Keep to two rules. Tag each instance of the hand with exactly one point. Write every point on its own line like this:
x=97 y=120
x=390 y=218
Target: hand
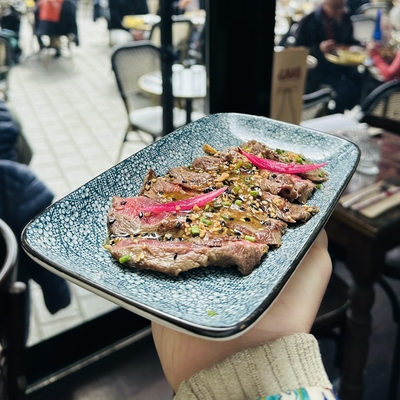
x=137 y=35
x=373 y=47
x=183 y=4
x=293 y=311
x=327 y=45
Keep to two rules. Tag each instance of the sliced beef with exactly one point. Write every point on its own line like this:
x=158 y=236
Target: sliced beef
x=289 y=186
x=270 y=234
x=175 y=257
x=150 y=176
x=260 y=150
x=160 y=188
x=125 y=218
x=189 y=179
x=234 y=229
x=208 y=163
x=278 y=207
x=316 y=175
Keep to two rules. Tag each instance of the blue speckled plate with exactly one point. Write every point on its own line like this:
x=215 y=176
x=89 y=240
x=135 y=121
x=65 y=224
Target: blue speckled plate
x=68 y=237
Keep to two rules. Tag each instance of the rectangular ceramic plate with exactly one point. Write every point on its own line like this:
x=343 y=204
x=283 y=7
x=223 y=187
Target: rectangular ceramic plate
x=68 y=237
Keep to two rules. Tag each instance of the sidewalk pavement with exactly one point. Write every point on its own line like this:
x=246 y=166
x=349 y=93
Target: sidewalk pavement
x=74 y=119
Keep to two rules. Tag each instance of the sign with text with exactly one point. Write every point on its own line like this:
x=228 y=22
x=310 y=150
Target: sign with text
x=288 y=81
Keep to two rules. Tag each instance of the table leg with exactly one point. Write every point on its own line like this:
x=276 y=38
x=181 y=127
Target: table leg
x=188 y=110
x=357 y=342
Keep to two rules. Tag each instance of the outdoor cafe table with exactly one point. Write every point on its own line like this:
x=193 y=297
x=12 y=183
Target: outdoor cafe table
x=187 y=84
x=366 y=242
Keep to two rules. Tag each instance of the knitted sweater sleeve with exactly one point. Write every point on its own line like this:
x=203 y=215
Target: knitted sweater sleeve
x=287 y=364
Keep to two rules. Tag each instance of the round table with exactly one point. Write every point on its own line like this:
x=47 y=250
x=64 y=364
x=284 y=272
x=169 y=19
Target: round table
x=187 y=84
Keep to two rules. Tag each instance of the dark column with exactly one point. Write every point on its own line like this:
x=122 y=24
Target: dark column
x=166 y=64
x=239 y=51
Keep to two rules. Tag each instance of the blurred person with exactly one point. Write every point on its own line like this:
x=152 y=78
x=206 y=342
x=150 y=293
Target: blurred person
x=119 y=8
x=55 y=18
x=322 y=31
x=17 y=181
x=276 y=359
x=388 y=70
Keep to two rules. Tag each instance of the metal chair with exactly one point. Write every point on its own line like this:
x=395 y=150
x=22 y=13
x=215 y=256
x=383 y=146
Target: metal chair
x=381 y=108
x=391 y=270
x=372 y=8
x=315 y=104
x=181 y=34
x=12 y=320
x=129 y=62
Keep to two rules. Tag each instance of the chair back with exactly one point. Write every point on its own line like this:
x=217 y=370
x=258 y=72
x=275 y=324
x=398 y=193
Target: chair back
x=315 y=104
x=383 y=102
x=372 y=8
x=8 y=256
x=363 y=27
x=12 y=319
x=181 y=34
x=129 y=62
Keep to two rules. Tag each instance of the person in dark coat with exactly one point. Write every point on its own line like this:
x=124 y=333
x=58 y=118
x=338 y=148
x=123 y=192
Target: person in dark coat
x=9 y=133
x=22 y=197
x=322 y=31
x=119 y=8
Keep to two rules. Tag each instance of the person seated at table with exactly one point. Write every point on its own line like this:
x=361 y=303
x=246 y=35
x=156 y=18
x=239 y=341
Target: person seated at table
x=322 y=31
x=276 y=359
x=119 y=8
x=55 y=18
x=388 y=70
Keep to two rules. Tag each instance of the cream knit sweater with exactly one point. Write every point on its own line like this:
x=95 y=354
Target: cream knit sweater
x=285 y=364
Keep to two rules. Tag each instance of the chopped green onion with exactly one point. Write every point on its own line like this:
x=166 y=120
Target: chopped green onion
x=205 y=221
x=250 y=238
x=238 y=202
x=195 y=230
x=318 y=186
x=254 y=193
x=236 y=189
x=225 y=217
x=226 y=203
x=211 y=313
x=124 y=258
x=238 y=164
x=299 y=160
x=248 y=165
